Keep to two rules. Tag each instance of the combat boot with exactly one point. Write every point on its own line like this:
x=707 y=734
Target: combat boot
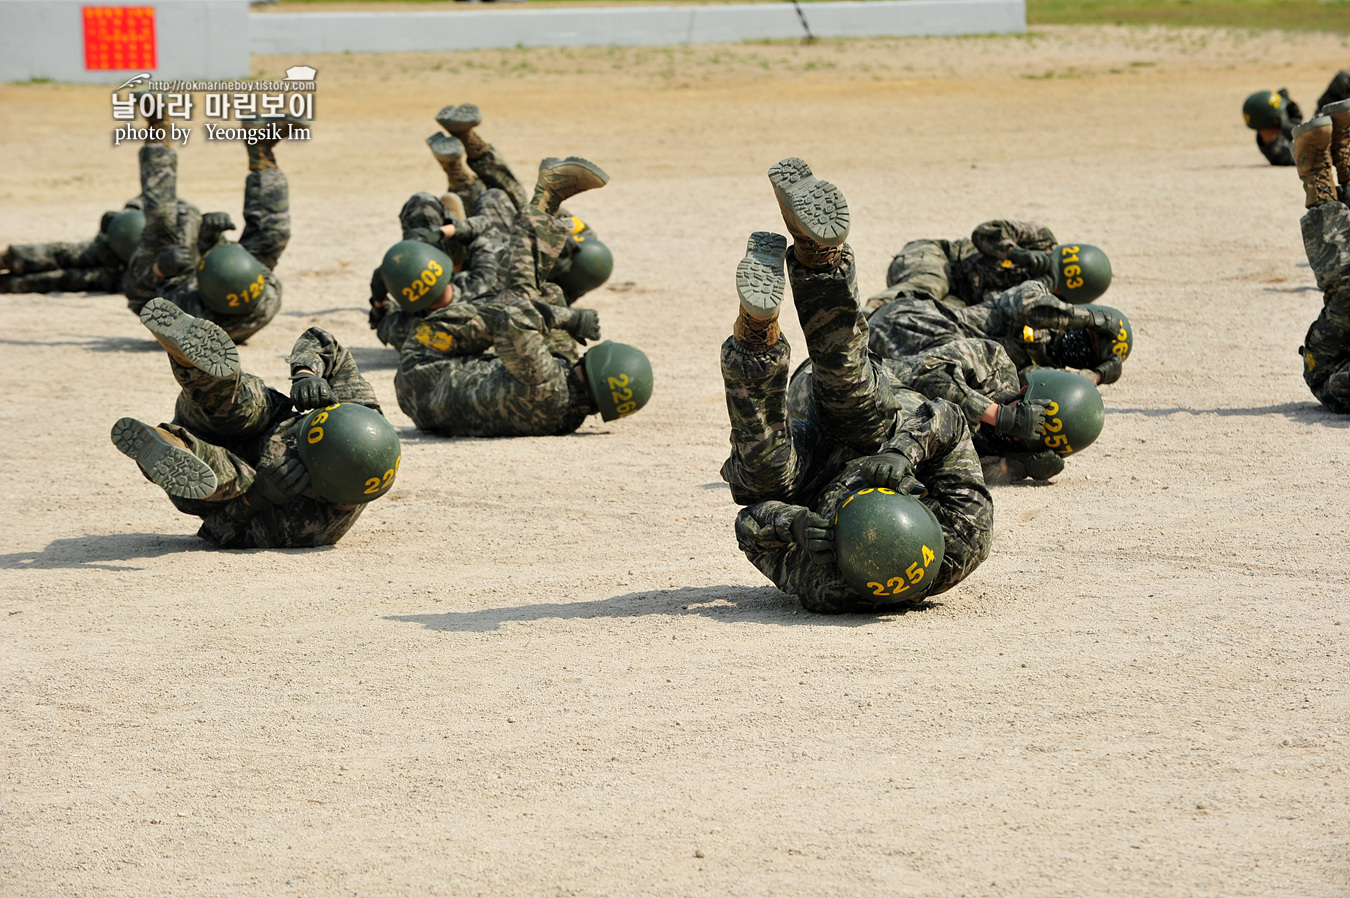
x=266 y=135
x=562 y=179
x=461 y=121
x=1312 y=155
x=153 y=120
x=814 y=211
x=1339 y=113
x=759 y=285
x=194 y=342
x=449 y=153
x=164 y=459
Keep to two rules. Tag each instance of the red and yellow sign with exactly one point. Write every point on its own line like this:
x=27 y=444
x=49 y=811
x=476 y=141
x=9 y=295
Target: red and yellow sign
x=119 y=37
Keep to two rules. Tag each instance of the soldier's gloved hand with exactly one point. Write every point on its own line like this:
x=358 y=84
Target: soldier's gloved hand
x=1102 y=320
x=460 y=229
x=887 y=469
x=1036 y=465
x=814 y=535
x=1036 y=262
x=309 y=390
x=278 y=482
x=174 y=261
x=218 y=222
x=584 y=325
x=1109 y=370
x=106 y=220
x=1022 y=420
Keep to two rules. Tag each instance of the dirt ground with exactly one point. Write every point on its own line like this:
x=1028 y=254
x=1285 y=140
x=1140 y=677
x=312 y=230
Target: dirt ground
x=541 y=667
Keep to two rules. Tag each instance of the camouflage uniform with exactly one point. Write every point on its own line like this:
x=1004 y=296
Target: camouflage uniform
x=965 y=271
x=267 y=230
x=1023 y=320
x=781 y=462
x=89 y=266
x=493 y=174
x=236 y=424
x=449 y=384
x=970 y=374
x=479 y=262
x=1280 y=151
x=1326 y=347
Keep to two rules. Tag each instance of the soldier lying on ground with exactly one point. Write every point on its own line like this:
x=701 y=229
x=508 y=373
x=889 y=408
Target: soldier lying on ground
x=1033 y=326
x=245 y=458
x=88 y=266
x=1321 y=148
x=231 y=284
x=1017 y=437
x=862 y=437
x=473 y=166
x=491 y=369
x=1273 y=116
x=998 y=255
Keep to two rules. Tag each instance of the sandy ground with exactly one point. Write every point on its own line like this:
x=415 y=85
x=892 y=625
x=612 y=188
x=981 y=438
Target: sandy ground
x=541 y=667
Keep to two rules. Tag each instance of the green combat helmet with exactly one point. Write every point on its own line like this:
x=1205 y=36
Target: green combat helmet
x=230 y=280
x=1123 y=340
x=416 y=274
x=1262 y=110
x=1082 y=272
x=620 y=378
x=888 y=545
x=124 y=232
x=585 y=263
x=351 y=453
x=1075 y=416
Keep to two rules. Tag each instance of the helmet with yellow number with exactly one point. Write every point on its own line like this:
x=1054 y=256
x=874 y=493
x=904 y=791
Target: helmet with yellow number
x=1075 y=415
x=416 y=274
x=888 y=545
x=1082 y=272
x=620 y=378
x=230 y=280
x=352 y=452
x=1262 y=110
x=585 y=263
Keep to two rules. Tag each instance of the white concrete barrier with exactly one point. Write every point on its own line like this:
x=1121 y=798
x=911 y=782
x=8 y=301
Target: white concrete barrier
x=473 y=29
x=61 y=39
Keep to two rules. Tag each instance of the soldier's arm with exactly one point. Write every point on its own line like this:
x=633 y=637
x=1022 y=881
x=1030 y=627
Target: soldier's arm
x=520 y=337
x=1031 y=304
x=996 y=238
x=480 y=278
x=1279 y=151
x=973 y=375
x=764 y=534
x=319 y=351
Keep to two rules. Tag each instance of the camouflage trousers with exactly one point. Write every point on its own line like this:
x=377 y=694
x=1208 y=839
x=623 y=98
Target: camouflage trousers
x=224 y=421
x=1326 y=347
x=922 y=269
x=168 y=222
x=1337 y=90
x=908 y=325
x=89 y=266
x=494 y=173
x=851 y=400
x=267 y=215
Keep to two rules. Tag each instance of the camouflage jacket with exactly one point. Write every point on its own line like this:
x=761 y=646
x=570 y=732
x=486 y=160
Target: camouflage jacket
x=980 y=275
x=935 y=438
x=308 y=519
x=449 y=384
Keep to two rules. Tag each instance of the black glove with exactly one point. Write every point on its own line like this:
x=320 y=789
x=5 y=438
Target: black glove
x=309 y=390
x=1022 y=420
x=219 y=222
x=888 y=469
x=1036 y=465
x=584 y=325
x=1036 y=262
x=174 y=261
x=278 y=482
x=814 y=535
x=1101 y=320
x=106 y=220
x=1109 y=370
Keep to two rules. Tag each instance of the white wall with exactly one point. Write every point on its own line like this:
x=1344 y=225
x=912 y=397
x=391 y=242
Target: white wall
x=195 y=39
x=477 y=28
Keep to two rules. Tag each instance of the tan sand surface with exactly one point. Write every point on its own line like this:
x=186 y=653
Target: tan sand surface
x=541 y=667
